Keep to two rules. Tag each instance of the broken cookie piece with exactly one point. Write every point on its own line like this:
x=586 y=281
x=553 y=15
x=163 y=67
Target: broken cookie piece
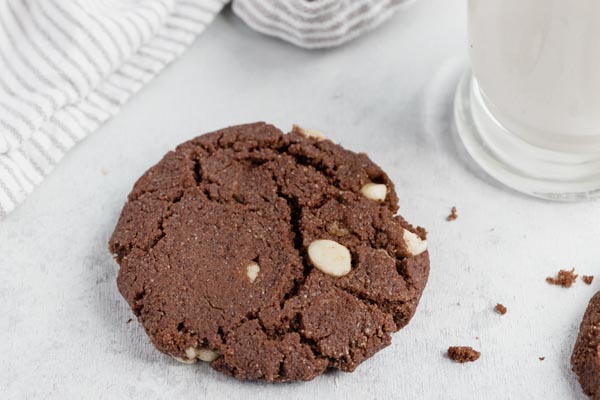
x=463 y=354
x=585 y=359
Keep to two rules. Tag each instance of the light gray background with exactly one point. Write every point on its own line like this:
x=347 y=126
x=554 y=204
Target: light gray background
x=63 y=326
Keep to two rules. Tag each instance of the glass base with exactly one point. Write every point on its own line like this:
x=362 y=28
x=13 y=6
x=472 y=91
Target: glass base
x=536 y=171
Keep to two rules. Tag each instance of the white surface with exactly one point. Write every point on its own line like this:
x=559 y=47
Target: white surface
x=63 y=326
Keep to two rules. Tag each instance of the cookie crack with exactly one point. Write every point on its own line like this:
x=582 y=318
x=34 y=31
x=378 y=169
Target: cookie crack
x=161 y=225
x=122 y=250
x=211 y=305
x=138 y=302
x=362 y=298
x=197 y=171
x=397 y=257
x=295 y=216
x=282 y=146
x=313 y=345
x=281 y=369
x=318 y=167
x=380 y=305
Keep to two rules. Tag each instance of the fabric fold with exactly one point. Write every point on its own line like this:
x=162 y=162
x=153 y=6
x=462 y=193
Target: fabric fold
x=69 y=66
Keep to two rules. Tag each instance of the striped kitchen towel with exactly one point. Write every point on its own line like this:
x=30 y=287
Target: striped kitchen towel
x=67 y=66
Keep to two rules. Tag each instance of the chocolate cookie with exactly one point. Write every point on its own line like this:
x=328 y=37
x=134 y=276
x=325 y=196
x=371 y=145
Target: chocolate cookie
x=586 y=354
x=273 y=256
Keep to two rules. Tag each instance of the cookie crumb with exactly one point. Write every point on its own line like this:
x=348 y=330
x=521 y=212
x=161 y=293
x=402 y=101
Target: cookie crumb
x=541 y=358
x=462 y=354
x=500 y=309
x=453 y=215
x=129 y=320
x=103 y=171
x=587 y=279
x=564 y=278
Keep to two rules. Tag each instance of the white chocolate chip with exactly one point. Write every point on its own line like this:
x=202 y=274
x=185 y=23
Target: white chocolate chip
x=309 y=133
x=252 y=271
x=414 y=244
x=207 y=355
x=193 y=355
x=374 y=191
x=330 y=257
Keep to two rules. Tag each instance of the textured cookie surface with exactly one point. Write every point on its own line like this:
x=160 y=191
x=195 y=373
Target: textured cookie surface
x=586 y=354
x=272 y=256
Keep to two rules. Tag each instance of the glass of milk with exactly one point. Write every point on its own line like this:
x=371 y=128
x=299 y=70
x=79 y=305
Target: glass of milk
x=529 y=112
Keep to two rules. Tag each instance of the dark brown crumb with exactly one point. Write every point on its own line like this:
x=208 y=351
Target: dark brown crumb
x=541 y=358
x=564 y=278
x=453 y=215
x=462 y=354
x=129 y=320
x=500 y=309
x=588 y=279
